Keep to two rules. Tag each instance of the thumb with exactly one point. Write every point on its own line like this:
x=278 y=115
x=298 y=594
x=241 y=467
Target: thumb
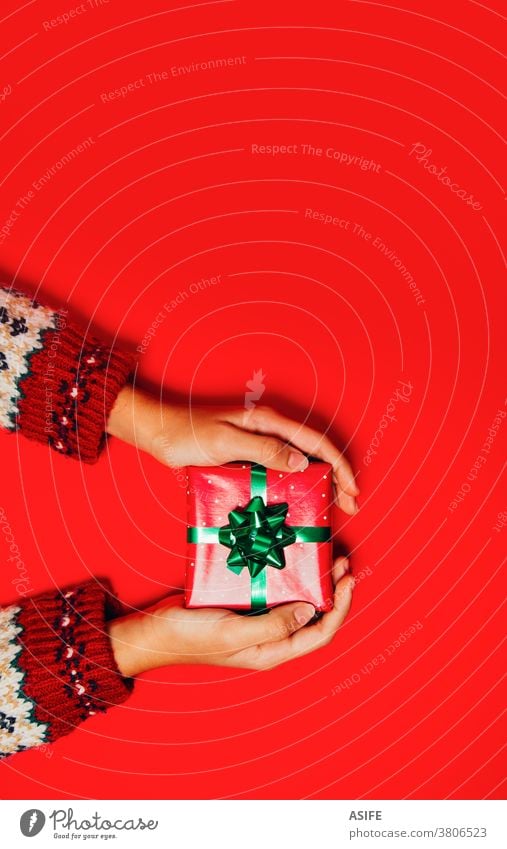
x=268 y=451
x=278 y=624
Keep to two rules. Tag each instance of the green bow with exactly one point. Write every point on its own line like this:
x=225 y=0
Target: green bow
x=256 y=536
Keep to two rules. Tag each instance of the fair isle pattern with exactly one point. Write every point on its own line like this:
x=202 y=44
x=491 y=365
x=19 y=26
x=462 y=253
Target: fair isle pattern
x=22 y=327
x=18 y=727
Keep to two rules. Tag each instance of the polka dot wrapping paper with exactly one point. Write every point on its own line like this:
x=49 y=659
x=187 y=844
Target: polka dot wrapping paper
x=305 y=571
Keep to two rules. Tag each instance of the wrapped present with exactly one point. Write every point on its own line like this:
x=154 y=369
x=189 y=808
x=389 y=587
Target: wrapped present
x=258 y=538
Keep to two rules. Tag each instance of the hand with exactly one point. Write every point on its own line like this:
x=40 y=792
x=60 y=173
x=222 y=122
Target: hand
x=168 y=633
x=209 y=436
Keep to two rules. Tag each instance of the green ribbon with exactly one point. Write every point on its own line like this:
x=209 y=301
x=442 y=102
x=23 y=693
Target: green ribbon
x=257 y=535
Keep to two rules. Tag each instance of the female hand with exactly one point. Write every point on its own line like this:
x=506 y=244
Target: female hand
x=209 y=436
x=168 y=633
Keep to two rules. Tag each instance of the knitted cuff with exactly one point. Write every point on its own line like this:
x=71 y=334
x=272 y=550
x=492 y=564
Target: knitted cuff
x=69 y=391
x=67 y=661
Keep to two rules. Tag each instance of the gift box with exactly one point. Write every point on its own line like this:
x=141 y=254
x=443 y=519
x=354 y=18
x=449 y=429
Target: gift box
x=258 y=538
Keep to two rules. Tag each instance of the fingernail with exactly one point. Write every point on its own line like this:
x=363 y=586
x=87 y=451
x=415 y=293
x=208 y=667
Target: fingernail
x=297 y=461
x=346 y=565
x=303 y=615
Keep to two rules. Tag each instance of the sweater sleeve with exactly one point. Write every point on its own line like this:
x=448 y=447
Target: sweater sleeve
x=57 y=666
x=57 y=385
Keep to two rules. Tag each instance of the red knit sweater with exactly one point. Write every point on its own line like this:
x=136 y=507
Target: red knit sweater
x=57 y=386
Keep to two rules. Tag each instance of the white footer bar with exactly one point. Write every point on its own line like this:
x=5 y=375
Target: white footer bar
x=254 y=824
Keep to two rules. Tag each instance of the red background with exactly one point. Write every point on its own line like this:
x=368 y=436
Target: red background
x=170 y=192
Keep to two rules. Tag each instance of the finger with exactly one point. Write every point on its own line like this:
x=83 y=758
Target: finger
x=273 y=627
x=328 y=625
x=306 y=640
x=322 y=632
x=340 y=568
x=307 y=439
x=266 y=450
x=347 y=503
